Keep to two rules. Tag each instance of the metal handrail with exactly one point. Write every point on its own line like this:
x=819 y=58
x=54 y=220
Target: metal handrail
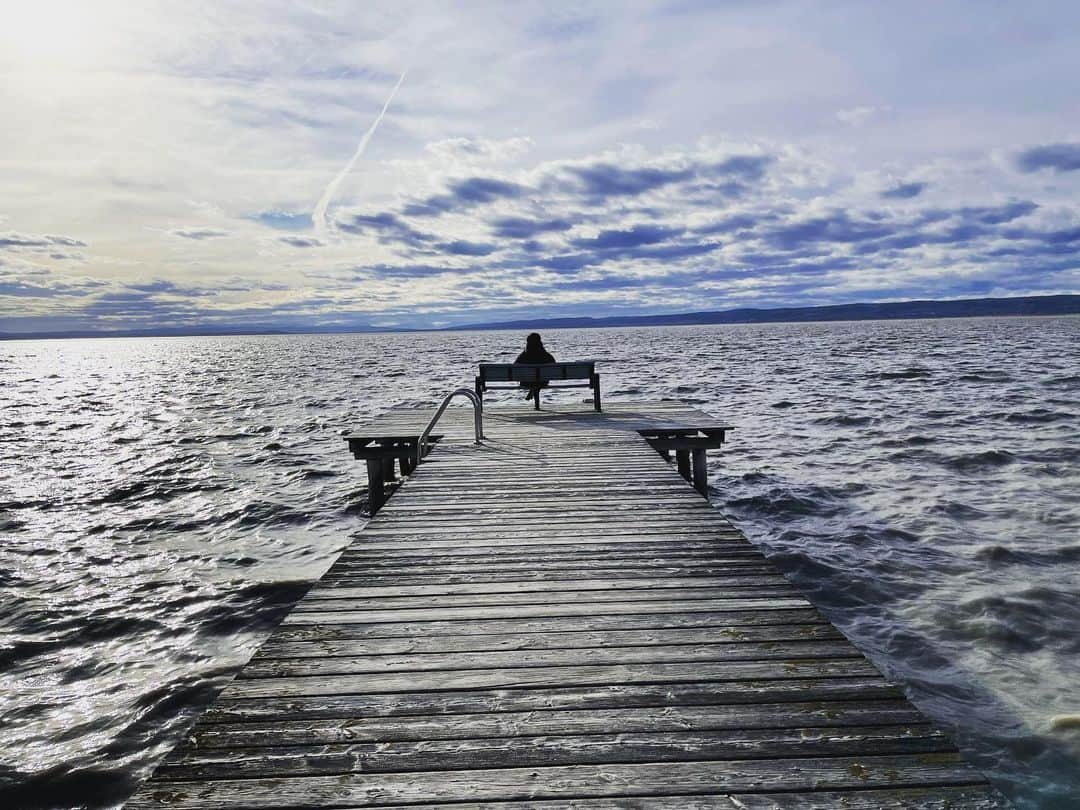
x=478 y=420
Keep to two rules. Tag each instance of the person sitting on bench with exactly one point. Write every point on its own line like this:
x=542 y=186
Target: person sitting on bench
x=534 y=353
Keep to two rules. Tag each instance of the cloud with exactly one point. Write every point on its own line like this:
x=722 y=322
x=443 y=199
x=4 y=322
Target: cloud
x=12 y=240
x=388 y=227
x=1058 y=157
x=479 y=149
x=480 y=190
x=904 y=191
x=283 y=220
x=463 y=247
x=602 y=180
x=738 y=222
x=301 y=241
x=857 y=116
x=430 y=207
x=525 y=228
x=198 y=234
x=838 y=226
x=25 y=280
x=463 y=194
x=635 y=236
x=998 y=214
x=147 y=289
x=634 y=226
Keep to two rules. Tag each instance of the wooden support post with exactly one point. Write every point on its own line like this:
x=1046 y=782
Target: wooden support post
x=701 y=473
x=536 y=399
x=376 y=485
x=594 y=381
x=388 y=469
x=682 y=458
x=406 y=464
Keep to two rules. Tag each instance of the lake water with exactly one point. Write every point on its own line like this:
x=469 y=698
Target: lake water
x=163 y=502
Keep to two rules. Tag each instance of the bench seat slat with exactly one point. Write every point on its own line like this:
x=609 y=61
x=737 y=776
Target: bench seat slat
x=540 y=375
x=536 y=372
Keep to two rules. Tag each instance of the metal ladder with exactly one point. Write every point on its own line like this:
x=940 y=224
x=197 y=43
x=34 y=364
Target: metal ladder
x=478 y=420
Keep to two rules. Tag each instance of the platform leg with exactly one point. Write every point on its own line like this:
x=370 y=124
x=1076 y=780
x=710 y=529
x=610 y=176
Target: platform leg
x=701 y=473
x=595 y=381
x=376 y=485
x=388 y=470
x=682 y=458
x=536 y=399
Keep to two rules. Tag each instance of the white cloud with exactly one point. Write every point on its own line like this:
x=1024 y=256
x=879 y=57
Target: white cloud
x=198 y=233
x=479 y=150
x=169 y=122
x=857 y=116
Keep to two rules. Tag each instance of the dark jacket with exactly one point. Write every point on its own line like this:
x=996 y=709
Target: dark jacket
x=534 y=353
x=529 y=356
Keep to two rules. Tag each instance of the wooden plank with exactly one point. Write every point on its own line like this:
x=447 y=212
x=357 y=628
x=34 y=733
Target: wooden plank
x=613 y=569
x=572 y=722
x=555 y=569
x=941 y=797
x=454 y=542
x=438 y=626
x=519 y=677
x=606 y=608
x=481 y=575
x=478 y=552
x=440 y=564
x=586 y=553
x=336 y=591
x=738 y=587
x=444 y=557
x=624 y=747
x=683 y=443
x=647 y=546
x=555 y=640
x=267 y=667
x=564 y=782
x=661 y=696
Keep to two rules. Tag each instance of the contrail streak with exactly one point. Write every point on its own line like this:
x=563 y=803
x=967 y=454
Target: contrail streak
x=318 y=216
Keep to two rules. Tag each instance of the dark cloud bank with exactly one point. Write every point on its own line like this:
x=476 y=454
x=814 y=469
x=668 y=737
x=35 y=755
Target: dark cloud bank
x=685 y=231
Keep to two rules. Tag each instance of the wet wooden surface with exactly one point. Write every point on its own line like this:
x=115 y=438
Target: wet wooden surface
x=556 y=619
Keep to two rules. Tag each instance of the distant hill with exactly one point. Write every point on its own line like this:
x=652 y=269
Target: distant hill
x=966 y=308
x=192 y=331
x=132 y=333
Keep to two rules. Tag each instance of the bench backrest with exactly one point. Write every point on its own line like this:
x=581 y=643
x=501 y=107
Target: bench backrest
x=537 y=372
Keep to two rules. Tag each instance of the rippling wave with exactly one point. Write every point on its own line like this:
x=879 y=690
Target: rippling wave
x=163 y=503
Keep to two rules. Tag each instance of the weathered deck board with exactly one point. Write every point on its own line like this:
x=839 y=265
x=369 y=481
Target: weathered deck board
x=565 y=782
x=515 y=724
x=557 y=619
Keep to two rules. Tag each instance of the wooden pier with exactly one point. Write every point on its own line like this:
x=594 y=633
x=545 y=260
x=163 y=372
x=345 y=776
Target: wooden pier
x=556 y=619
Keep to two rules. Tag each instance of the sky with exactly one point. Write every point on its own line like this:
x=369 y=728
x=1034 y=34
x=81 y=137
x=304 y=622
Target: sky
x=212 y=165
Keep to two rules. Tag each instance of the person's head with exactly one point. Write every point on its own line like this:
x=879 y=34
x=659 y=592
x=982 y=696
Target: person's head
x=533 y=342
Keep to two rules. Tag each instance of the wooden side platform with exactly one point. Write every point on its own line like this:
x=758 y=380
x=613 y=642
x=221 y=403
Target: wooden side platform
x=556 y=619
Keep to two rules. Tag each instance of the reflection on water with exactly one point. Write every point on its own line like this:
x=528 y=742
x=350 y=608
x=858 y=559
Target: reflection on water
x=162 y=502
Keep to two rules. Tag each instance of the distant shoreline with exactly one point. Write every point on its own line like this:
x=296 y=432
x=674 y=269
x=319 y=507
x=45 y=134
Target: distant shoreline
x=1027 y=306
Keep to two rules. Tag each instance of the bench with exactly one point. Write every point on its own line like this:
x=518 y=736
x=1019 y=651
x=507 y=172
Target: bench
x=538 y=375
